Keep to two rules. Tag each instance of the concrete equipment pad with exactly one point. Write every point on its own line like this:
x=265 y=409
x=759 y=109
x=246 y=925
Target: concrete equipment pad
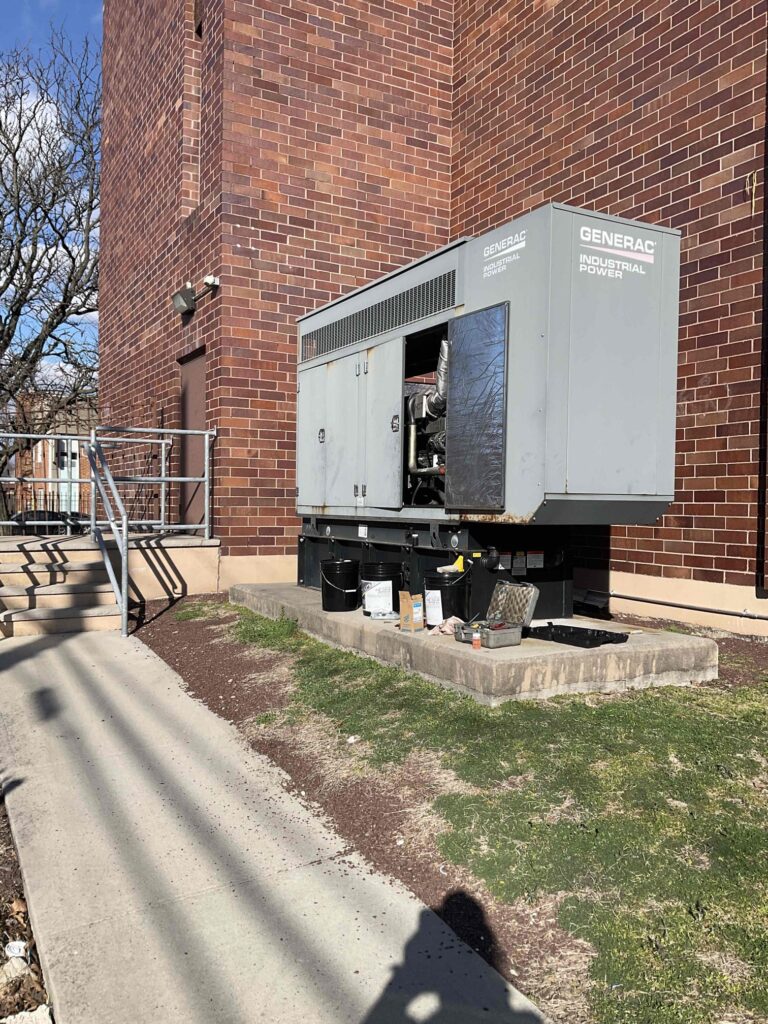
x=171 y=877
x=535 y=669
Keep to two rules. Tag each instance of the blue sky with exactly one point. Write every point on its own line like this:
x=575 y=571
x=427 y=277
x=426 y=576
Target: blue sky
x=27 y=21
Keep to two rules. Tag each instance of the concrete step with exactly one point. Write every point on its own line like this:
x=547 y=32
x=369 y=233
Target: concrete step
x=56 y=595
x=46 y=573
x=42 y=621
x=54 y=549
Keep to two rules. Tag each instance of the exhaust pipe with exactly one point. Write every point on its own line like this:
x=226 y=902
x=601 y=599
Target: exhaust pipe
x=433 y=406
x=437 y=399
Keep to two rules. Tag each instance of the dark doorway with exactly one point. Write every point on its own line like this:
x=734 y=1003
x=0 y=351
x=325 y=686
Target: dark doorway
x=192 y=461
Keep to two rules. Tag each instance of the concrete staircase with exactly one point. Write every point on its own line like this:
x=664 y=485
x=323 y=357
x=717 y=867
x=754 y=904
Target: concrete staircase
x=53 y=586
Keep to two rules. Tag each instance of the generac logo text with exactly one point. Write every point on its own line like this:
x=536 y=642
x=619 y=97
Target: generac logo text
x=617 y=240
x=505 y=245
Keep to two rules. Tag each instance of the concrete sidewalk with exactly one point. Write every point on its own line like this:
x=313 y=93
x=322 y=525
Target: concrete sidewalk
x=171 y=878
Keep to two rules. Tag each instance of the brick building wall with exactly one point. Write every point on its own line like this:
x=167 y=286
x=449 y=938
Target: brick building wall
x=657 y=112
x=319 y=151
x=160 y=204
x=301 y=149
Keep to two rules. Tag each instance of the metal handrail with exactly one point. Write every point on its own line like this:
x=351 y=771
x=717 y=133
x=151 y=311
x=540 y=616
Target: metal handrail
x=162 y=437
x=99 y=466
x=155 y=430
x=104 y=484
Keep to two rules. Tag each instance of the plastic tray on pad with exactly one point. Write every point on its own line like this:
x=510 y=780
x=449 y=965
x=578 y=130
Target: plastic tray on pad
x=576 y=636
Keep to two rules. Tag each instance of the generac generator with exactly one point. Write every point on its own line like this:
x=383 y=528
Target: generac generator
x=487 y=397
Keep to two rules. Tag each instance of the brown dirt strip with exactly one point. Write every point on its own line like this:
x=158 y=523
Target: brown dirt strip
x=27 y=992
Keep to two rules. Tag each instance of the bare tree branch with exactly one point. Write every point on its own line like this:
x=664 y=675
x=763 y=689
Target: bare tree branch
x=50 y=140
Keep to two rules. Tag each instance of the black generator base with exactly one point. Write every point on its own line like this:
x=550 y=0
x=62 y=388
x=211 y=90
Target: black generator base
x=538 y=555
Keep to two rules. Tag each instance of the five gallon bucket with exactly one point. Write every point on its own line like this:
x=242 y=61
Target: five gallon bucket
x=340 y=586
x=380 y=584
x=446 y=594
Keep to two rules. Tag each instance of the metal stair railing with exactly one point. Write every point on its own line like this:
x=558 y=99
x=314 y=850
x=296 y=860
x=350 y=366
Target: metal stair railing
x=105 y=485
x=101 y=476
x=161 y=437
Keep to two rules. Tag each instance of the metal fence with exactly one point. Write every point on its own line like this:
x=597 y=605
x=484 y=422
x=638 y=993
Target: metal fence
x=129 y=487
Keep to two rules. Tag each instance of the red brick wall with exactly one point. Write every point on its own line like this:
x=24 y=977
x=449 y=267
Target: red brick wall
x=338 y=140
x=160 y=215
x=325 y=162
x=654 y=111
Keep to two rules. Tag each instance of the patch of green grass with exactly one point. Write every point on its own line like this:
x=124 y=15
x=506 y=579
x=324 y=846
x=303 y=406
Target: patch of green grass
x=194 y=610
x=648 y=812
x=273 y=634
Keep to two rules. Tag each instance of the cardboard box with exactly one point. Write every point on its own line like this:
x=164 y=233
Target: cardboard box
x=411 y=612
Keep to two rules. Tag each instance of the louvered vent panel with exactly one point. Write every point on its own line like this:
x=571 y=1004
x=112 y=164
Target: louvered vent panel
x=421 y=301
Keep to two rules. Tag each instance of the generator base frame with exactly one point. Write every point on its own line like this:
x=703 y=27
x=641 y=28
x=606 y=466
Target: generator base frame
x=539 y=555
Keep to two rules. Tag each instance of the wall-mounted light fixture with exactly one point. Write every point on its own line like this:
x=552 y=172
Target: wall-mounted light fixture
x=185 y=299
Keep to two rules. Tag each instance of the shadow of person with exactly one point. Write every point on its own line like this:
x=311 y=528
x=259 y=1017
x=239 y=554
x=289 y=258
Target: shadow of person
x=441 y=980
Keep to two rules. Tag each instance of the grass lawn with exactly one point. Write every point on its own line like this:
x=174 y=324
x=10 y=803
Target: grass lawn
x=644 y=813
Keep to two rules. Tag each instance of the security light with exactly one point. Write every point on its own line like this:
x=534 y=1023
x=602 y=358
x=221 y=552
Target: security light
x=185 y=300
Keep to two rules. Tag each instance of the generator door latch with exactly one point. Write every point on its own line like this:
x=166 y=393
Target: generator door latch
x=356 y=489
x=395 y=423
x=321 y=435
x=363 y=490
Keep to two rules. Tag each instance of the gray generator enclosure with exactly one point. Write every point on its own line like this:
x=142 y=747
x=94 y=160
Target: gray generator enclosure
x=527 y=376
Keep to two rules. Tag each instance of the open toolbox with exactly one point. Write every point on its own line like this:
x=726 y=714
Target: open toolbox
x=510 y=611
x=492 y=634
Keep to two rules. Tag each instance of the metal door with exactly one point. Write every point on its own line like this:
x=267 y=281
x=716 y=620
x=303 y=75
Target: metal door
x=192 y=457
x=67 y=461
x=311 y=437
x=382 y=416
x=343 y=436
x=476 y=420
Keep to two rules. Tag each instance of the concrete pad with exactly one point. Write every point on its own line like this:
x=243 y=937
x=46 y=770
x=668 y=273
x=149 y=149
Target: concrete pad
x=171 y=876
x=535 y=669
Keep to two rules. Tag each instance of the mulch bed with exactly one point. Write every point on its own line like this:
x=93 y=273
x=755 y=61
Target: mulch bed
x=528 y=947
x=27 y=992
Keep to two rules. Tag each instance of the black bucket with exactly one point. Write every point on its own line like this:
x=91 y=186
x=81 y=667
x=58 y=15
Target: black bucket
x=374 y=577
x=340 y=586
x=446 y=594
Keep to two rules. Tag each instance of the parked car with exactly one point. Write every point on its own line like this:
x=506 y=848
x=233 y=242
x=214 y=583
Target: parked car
x=46 y=523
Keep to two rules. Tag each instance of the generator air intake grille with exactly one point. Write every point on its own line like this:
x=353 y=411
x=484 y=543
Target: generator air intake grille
x=421 y=301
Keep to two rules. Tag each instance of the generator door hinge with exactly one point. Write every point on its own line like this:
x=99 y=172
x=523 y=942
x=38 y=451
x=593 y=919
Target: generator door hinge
x=357 y=369
x=356 y=490
x=363 y=490
x=365 y=366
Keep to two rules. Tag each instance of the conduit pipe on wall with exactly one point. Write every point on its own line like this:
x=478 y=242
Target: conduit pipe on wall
x=686 y=607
